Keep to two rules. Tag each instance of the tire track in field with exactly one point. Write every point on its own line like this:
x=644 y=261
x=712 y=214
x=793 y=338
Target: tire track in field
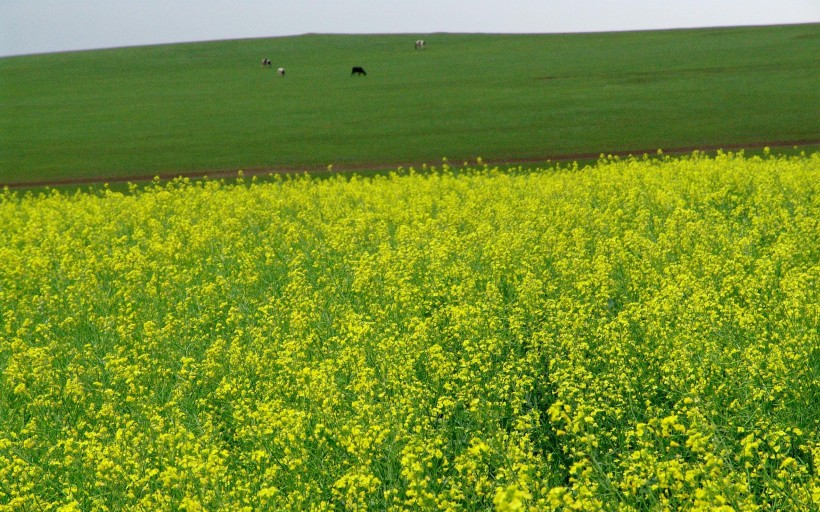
x=338 y=168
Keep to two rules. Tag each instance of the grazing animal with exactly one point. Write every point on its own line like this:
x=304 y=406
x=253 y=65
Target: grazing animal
x=280 y=71
x=358 y=70
x=420 y=44
x=266 y=63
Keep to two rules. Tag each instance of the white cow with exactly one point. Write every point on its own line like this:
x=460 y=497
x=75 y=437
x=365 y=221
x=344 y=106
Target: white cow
x=280 y=71
x=420 y=44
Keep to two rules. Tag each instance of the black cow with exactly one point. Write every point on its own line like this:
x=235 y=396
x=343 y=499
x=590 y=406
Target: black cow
x=266 y=63
x=358 y=70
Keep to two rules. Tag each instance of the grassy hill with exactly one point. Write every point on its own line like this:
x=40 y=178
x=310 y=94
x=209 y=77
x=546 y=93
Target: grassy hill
x=211 y=106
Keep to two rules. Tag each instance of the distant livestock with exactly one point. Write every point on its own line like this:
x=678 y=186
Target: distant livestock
x=280 y=71
x=420 y=44
x=358 y=70
x=266 y=63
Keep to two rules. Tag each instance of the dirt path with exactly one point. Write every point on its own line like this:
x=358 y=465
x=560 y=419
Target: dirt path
x=232 y=173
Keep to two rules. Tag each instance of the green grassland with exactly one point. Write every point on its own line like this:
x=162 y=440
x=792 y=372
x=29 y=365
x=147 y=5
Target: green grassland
x=211 y=106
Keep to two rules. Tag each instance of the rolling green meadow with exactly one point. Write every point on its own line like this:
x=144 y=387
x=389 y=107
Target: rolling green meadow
x=637 y=333
x=211 y=106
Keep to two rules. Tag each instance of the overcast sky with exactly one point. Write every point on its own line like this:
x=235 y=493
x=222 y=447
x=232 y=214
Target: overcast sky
x=39 y=26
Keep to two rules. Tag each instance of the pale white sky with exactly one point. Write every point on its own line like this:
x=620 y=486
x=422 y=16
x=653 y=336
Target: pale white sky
x=39 y=26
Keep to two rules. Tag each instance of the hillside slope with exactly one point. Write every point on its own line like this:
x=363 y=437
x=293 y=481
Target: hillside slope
x=211 y=106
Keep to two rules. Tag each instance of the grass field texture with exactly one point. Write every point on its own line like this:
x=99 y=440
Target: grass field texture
x=211 y=106
x=636 y=335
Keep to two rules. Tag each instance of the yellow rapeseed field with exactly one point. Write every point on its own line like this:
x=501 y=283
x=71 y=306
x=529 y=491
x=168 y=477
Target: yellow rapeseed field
x=641 y=334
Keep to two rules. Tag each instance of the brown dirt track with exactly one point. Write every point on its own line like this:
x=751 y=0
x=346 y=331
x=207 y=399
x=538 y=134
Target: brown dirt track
x=217 y=174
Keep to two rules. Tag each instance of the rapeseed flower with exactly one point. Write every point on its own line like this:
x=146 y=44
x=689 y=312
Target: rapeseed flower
x=639 y=334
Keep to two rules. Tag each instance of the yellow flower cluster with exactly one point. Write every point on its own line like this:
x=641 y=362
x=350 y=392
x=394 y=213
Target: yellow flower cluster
x=640 y=334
